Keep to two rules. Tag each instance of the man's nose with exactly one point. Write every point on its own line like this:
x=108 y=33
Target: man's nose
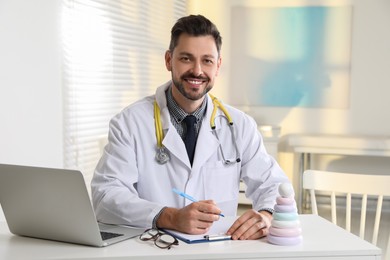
x=197 y=69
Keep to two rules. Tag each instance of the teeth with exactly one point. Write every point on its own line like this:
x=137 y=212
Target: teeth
x=195 y=82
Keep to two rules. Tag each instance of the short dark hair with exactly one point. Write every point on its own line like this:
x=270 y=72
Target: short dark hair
x=194 y=25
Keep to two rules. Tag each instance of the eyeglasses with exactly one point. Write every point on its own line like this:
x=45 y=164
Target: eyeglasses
x=161 y=239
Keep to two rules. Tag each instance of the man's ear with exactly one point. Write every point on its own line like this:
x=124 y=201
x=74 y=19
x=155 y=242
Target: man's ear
x=168 y=60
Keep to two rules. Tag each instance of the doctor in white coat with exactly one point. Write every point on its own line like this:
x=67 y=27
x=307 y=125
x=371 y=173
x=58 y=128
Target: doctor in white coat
x=130 y=186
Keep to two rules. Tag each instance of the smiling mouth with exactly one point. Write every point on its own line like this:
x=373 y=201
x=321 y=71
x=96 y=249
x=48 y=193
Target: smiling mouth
x=195 y=82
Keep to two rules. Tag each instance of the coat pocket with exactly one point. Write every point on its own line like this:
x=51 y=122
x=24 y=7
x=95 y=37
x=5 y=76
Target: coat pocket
x=221 y=181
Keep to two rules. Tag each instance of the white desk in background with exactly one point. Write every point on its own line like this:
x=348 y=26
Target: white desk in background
x=321 y=240
x=307 y=144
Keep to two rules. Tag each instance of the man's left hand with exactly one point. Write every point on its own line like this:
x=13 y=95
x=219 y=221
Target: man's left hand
x=251 y=225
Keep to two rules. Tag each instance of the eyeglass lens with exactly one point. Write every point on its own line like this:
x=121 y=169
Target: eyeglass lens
x=161 y=240
x=149 y=234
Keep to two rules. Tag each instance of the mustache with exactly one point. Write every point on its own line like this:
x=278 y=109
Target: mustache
x=191 y=75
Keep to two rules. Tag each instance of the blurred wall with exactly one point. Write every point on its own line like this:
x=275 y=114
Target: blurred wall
x=368 y=110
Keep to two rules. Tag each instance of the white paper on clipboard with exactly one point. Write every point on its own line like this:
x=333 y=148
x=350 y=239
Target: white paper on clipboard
x=219 y=228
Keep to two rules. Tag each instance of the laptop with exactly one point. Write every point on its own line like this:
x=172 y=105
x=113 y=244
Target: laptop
x=54 y=204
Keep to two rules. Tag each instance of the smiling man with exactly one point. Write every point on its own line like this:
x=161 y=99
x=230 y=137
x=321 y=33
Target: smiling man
x=182 y=138
x=194 y=60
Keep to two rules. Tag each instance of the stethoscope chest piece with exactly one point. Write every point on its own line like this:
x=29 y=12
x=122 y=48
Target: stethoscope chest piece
x=162 y=156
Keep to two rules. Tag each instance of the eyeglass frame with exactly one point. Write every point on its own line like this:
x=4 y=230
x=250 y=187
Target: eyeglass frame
x=158 y=235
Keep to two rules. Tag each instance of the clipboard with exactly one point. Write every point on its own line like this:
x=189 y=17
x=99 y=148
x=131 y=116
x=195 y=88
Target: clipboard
x=217 y=232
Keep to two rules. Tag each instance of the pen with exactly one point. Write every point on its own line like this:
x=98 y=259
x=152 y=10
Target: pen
x=217 y=237
x=189 y=197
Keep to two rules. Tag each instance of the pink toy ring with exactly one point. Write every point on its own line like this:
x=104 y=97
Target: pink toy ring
x=284 y=241
x=285 y=201
x=285 y=232
x=285 y=208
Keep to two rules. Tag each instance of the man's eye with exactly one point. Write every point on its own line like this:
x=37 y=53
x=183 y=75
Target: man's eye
x=184 y=59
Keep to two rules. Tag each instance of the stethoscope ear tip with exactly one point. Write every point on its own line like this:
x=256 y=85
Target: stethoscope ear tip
x=238 y=160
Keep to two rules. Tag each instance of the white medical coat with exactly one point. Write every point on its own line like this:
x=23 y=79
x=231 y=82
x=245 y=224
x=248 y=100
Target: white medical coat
x=130 y=187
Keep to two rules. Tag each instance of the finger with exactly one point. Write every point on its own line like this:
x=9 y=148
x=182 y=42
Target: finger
x=209 y=202
x=239 y=222
x=251 y=225
x=247 y=229
x=208 y=217
x=204 y=212
x=197 y=227
x=210 y=209
x=197 y=231
x=204 y=224
x=256 y=231
x=260 y=228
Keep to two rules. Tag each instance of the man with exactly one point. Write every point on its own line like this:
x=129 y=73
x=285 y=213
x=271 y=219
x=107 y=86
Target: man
x=131 y=187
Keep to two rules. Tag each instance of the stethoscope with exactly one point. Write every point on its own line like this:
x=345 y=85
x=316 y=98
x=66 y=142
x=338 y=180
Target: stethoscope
x=162 y=156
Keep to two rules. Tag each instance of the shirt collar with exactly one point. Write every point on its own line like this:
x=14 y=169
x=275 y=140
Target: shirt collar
x=178 y=113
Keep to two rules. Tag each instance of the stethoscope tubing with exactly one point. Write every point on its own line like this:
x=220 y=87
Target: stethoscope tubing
x=163 y=157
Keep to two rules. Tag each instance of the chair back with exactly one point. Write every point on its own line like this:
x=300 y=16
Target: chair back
x=346 y=185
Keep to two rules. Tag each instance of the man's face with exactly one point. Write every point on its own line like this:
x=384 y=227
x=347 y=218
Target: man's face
x=194 y=64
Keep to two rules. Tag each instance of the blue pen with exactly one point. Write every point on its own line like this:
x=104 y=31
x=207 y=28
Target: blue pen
x=189 y=197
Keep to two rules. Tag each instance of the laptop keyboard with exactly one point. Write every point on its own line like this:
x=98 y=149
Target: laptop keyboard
x=109 y=235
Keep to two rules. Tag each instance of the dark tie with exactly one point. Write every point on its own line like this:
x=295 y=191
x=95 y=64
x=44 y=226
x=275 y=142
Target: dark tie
x=190 y=138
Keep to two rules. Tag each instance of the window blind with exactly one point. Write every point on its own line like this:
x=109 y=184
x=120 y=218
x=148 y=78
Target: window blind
x=113 y=54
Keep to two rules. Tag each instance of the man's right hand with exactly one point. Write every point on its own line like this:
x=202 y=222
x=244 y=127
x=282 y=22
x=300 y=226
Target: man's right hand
x=195 y=219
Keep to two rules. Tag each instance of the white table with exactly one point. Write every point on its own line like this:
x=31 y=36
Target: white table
x=305 y=145
x=321 y=240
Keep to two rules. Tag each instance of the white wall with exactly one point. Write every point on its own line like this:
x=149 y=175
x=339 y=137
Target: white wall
x=30 y=82
x=369 y=110
x=370 y=67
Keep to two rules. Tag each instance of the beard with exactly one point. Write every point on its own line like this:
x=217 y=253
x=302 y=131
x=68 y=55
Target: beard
x=191 y=95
